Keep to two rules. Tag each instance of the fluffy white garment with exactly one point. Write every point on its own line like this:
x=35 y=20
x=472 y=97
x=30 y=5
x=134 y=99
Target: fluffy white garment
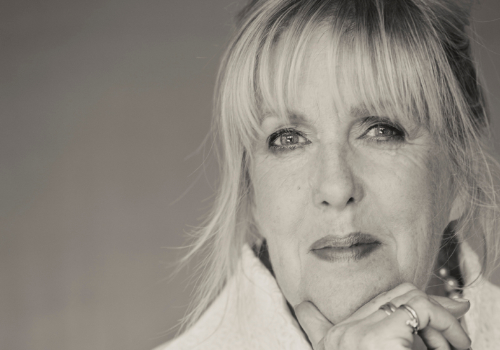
x=252 y=313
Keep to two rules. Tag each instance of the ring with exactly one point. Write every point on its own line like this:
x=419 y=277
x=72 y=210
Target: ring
x=413 y=322
x=389 y=308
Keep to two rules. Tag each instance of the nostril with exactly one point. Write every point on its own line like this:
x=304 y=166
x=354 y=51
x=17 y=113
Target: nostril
x=325 y=203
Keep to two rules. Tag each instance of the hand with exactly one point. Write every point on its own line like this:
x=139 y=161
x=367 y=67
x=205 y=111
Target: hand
x=371 y=328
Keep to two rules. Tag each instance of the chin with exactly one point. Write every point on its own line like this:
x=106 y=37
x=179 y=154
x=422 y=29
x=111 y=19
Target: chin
x=340 y=312
x=338 y=299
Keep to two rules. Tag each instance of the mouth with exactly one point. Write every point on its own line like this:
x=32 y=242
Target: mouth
x=355 y=246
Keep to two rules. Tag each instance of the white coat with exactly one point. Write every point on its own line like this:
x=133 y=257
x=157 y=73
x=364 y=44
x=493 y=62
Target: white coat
x=252 y=313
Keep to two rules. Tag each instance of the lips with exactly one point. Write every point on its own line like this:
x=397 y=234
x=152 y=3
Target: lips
x=352 y=247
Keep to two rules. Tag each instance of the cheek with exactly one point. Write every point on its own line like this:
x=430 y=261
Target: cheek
x=281 y=199
x=412 y=205
x=279 y=196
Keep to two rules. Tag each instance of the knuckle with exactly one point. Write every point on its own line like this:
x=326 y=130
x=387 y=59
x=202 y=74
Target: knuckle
x=406 y=297
x=342 y=337
x=419 y=300
x=331 y=339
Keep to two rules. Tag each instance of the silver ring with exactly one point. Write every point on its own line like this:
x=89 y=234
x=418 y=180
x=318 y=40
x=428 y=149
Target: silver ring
x=413 y=322
x=389 y=308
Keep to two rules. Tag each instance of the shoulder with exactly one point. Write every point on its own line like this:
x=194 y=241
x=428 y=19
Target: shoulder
x=250 y=313
x=214 y=330
x=483 y=318
x=485 y=302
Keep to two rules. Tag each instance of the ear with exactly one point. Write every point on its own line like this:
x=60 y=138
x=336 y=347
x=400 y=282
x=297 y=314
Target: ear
x=457 y=207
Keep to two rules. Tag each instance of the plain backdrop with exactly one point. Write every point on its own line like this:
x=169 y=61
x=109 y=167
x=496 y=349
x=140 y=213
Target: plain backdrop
x=103 y=105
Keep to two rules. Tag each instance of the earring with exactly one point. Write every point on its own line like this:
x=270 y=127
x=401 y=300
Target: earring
x=451 y=284
x=448 y=262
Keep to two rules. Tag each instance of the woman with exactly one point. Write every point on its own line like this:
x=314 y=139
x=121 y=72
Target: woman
x=354 y=173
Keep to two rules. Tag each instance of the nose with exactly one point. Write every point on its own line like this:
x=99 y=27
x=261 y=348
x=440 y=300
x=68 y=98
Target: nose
x=334 y=184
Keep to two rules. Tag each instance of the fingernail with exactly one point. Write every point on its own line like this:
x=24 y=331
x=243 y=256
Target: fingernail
x=461 y=300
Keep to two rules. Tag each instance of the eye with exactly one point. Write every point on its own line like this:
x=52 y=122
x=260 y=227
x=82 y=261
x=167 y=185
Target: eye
x=287 y=139
x=384 y=132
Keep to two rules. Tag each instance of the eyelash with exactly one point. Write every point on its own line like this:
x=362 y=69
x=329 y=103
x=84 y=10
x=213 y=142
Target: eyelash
x=399 y=136
x=278 y=134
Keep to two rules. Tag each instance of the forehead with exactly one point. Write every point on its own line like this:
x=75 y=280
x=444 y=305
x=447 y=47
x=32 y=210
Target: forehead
x=357 y=60
x=323 y=79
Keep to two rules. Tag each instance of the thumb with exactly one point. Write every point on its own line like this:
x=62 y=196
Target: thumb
x=312 y=322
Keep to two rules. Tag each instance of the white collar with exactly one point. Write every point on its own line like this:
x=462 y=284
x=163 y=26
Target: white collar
x=252 y=313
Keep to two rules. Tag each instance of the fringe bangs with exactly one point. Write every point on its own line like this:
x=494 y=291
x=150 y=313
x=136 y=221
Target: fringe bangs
x=389 y=68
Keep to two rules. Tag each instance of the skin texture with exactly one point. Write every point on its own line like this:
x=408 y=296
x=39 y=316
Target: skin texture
x=371 y=328
x=341 y=176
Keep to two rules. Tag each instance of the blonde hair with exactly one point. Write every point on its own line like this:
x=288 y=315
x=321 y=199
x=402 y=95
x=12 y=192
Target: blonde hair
x=411 y=57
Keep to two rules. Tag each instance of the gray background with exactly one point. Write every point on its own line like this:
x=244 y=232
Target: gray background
x=103 y=105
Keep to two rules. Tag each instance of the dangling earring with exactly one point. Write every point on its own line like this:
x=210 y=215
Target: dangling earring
x=449 y=267
x=451 y=284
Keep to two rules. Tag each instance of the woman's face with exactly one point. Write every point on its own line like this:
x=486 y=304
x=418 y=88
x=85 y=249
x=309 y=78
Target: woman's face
x=351 y=203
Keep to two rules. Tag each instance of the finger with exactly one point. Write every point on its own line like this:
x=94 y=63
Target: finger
x=373 y=305
x=396 y=333
x=457 y=307
x=433 y=339
x=436 y=316
x=393 y=331
x=312 y=322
